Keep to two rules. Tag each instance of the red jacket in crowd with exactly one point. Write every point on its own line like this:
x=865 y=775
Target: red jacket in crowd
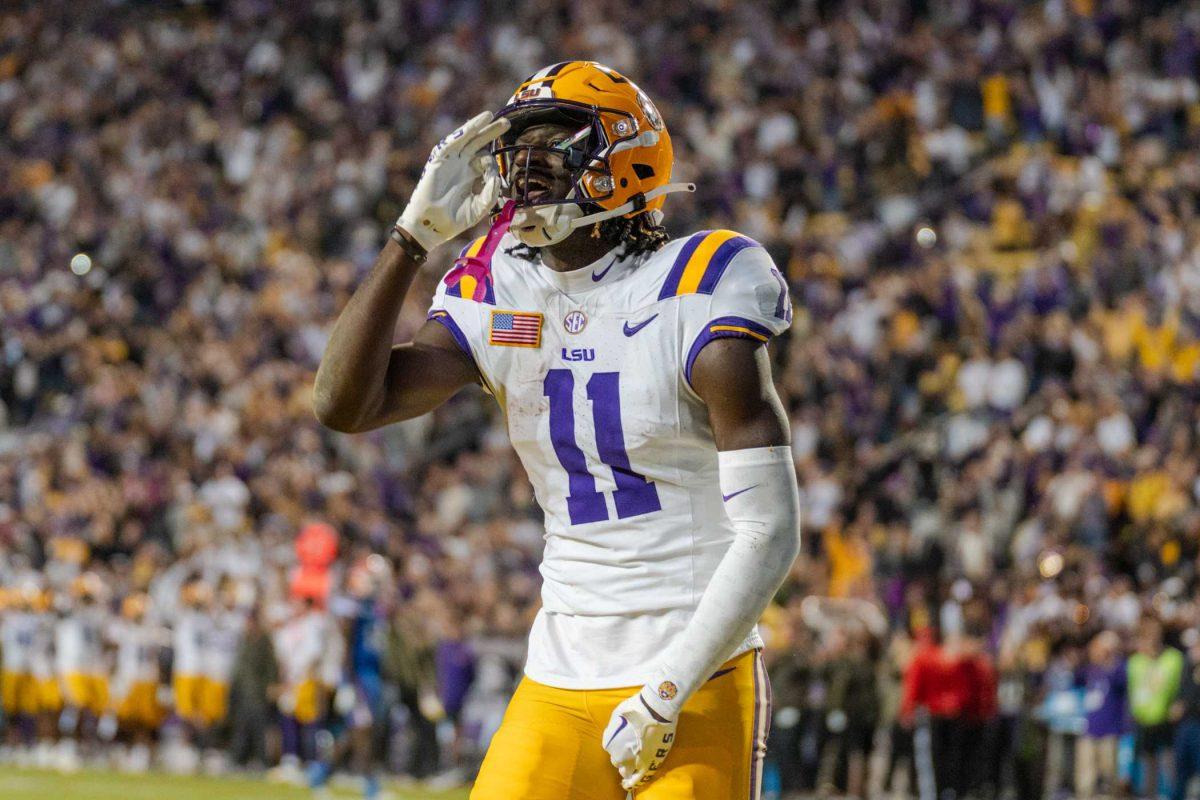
x=949 y=685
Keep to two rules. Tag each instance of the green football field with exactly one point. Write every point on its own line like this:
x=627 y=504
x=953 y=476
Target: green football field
x=19 y=784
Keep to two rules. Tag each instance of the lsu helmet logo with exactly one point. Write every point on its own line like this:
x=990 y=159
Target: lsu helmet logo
x=533 y=92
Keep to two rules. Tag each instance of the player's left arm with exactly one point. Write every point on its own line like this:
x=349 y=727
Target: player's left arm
x=733 y=378
x=758 y=479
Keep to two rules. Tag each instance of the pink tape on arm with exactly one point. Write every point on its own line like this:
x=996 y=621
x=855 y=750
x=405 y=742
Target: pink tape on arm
x=479 y=266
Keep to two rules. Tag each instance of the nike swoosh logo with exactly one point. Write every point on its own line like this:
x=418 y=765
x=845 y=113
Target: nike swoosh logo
x=721 y=672
x=620 y=728
x=630 y=331
x=599 y=276
x=728 y=497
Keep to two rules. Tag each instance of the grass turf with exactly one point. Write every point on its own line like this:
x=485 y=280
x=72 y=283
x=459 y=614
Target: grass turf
x=21 y=784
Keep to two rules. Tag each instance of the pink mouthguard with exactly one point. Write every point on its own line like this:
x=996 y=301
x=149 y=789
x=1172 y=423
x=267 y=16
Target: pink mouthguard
x=479 y=266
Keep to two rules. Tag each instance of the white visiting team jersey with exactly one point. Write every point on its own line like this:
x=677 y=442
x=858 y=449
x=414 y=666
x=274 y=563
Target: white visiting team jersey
x=18 y=630
x=591 y=368
x=188 y=641
x=300 y=645
x=221 y=639
x=41 y=655
x=138 y=646
x=79 y=642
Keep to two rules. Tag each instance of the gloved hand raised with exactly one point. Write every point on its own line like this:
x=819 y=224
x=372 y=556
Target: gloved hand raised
x=459 y=185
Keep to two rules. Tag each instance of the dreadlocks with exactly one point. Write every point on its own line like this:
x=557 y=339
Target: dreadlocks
x=639 y=236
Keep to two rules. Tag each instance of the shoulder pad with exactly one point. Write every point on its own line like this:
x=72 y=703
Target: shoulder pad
x=460 y=284
x=701 y=262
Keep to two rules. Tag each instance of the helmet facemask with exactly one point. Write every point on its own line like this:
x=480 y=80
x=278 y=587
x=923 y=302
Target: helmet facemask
x=555 y=183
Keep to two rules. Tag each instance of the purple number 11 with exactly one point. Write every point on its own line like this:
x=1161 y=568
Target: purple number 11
x=634 y=495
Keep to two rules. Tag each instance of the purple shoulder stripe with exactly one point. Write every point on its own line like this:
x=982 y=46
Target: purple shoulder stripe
x=460 y=338
x=720 y=260
x=489 y=291
x=724 y=328
x=671 y=285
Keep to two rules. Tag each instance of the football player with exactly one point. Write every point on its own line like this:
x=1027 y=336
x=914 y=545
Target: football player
x=305 y=644
x=80 y=662
x=637 y=391
x=358 y=702
x=192 y=618
x=18 y=689
x=139 y=639
x=221 y=636
x=47 y=698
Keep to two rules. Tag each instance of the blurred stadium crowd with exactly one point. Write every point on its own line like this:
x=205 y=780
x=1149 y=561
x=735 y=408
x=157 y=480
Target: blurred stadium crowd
x=987 y=210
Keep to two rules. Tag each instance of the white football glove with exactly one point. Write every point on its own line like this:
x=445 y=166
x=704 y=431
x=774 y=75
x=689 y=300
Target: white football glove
x=458 y=186
x=637 y=741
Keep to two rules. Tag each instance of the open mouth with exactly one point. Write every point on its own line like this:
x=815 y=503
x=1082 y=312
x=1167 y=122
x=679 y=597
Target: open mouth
x=533 y=185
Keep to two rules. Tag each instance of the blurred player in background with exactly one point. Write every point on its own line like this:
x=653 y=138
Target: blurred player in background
x=29 y=690
x=18 y=692
x=139 y=641
x=358 y=703
x=81 y=663
x=188 y=679
x=48 y=697
x=220 y=637
x=638 y=395
x=304 y=644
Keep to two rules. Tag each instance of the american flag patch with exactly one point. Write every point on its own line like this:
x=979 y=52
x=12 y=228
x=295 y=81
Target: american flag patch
x=516 y=329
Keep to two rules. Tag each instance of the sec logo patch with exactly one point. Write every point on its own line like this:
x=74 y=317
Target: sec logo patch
x=667 y=690
x=575 y=321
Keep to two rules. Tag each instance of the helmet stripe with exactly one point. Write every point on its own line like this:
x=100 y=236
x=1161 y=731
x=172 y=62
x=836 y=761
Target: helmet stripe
x=545 y=75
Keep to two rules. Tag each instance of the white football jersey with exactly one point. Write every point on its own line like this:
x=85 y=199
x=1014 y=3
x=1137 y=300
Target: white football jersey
x=591 y=368
x=18 y=630
x=138 y=646
x=79 y=642
x=300 y=645
x=221 y=639
x=41 y=655
x=188 y=641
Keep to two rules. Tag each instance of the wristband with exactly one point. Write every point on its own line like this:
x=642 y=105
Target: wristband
x=417 y=253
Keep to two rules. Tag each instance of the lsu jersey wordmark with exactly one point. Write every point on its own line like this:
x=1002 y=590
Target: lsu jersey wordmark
x=600 y=409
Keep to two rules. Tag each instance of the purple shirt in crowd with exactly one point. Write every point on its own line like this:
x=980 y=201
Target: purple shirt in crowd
x=455 y=670
x=1104 y=699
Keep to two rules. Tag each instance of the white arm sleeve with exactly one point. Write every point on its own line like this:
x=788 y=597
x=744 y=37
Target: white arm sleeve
x=763 y=502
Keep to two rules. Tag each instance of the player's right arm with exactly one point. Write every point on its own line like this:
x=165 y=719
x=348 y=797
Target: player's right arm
x=363 y=382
